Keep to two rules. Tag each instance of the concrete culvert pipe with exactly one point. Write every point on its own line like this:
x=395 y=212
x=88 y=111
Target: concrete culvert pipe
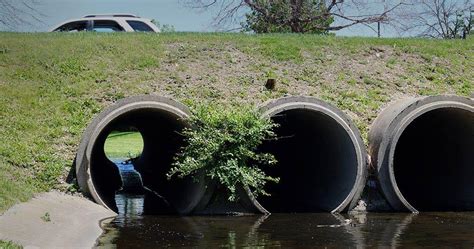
x=159 y=121
x=321 y=158
x=422 y=150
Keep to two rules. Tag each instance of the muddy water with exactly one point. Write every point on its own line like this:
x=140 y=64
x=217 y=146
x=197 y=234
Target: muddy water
x=134 y=229
x=131 y=229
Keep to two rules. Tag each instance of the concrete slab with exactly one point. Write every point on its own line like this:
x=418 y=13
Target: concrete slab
x=54 y=220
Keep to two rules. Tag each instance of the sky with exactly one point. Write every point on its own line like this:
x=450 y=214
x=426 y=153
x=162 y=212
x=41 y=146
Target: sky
x=172 y=12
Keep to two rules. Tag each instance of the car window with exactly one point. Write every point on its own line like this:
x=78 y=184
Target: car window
x=107 y=26
x=73 y=27
x=139 y=26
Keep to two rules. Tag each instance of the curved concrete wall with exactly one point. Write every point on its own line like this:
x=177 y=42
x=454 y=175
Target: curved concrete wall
x=321 y=157
x=159 y=120
x=422 y=150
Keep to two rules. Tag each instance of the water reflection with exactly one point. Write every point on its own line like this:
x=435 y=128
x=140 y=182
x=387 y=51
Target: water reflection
x=130 y=205
x=380 y=230
x=278 y=230
x=133 y=228
x=449 y=229
x=292 y=230
x=134 y=199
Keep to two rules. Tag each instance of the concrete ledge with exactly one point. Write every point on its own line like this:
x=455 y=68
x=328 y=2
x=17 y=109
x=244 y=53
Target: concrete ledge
x=72 y=222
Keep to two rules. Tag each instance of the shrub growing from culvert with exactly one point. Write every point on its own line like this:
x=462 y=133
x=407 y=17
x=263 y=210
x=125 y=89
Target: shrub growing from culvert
x=222 y=144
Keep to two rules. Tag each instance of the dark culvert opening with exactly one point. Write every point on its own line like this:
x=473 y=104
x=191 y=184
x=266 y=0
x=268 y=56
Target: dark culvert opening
x=434 y=161
x=123 y=147
x=317 y=163
x=160 y=131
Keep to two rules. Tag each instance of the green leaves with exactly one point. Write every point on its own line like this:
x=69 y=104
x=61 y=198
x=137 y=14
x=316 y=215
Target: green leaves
x=283 y=16
x=223 y=143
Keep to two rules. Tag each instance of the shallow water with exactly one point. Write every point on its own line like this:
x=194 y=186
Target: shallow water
x=133 y=229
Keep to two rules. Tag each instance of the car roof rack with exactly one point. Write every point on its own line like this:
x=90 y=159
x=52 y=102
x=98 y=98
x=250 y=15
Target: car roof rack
x=111 y=15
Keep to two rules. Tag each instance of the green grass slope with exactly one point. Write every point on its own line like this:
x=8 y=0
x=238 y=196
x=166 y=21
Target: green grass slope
x=51 y=85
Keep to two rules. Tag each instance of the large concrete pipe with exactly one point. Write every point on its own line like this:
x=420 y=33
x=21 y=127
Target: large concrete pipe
x=159 y=120
x=422 y=150
x=321 y=157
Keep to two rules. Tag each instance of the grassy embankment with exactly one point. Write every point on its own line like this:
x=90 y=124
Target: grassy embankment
x=51 y=85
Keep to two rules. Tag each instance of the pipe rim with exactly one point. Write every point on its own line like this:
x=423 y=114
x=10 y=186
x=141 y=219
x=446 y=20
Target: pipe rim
x=274 y=107
x=421 y=107
x=104 y=118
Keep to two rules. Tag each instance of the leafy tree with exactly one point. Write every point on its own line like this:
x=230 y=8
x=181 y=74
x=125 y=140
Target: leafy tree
x=285 y=16
x=222 y=143
x=300 y=16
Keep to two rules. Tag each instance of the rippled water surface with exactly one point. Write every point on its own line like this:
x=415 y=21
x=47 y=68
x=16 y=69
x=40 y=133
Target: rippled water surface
x=131 y=229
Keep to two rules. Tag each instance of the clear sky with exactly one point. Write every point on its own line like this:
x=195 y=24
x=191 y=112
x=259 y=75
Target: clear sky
x=171 y=12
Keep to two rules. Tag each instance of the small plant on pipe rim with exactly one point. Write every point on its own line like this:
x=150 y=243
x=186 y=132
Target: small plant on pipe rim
x=222 y=143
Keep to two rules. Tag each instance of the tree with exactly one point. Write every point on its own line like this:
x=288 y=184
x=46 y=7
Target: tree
x=14 y=13
x=445 y=19
x=164 y=28
x=298 y=16
x=283 y=17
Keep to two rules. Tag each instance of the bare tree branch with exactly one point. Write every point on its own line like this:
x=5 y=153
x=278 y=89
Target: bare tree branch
x=229 y=10
x=445 y=19
x=14 y=13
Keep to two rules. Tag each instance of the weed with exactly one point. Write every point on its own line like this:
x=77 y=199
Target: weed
x=391 y=62
x=223 y=144
x=9 y=245
x=46 y=217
